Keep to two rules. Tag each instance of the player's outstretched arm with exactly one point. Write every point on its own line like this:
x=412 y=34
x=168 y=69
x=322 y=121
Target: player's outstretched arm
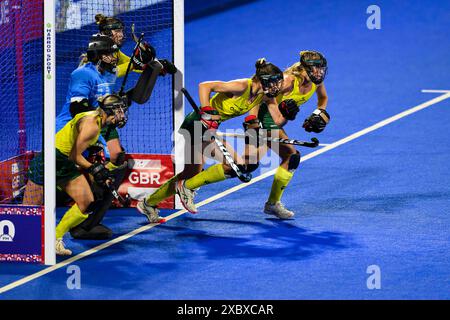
x=322 y=97
x=234 y=87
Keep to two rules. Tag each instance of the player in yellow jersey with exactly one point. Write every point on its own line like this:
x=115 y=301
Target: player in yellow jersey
x=71 y=141
x=232 y=99
x=301 y=81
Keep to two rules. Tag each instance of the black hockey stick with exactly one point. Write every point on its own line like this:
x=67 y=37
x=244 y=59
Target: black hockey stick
x=124 y=201
x=313 y=144
x=244 y=177
x=124 y=81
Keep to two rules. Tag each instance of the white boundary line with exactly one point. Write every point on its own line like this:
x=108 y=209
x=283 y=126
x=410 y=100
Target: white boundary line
x=435 y=91
x=225 y=193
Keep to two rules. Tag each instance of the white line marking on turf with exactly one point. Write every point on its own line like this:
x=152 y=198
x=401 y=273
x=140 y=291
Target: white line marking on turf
x=435 y=91
x=223 y=194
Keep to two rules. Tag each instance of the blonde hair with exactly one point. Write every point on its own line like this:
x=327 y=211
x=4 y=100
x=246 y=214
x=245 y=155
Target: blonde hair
x=296 y=70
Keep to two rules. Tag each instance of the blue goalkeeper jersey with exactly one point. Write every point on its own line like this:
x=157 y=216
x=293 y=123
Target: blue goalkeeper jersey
x=86 y=82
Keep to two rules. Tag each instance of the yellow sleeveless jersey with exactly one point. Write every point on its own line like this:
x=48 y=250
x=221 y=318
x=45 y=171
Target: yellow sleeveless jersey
x=233 y=107
x=296 y=95
x=65 y=138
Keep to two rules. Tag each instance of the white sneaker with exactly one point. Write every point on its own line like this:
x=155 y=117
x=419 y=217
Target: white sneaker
x=152 y=213
x=61 y=249
x=186 y=196
x=278 y=210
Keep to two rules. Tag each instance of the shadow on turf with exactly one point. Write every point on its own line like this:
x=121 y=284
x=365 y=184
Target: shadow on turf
x=249 y=239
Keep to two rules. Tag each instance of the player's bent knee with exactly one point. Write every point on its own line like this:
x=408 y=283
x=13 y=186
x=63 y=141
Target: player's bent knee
x=294 y=161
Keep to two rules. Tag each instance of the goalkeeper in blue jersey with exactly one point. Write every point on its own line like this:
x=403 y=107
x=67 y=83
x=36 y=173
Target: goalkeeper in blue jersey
x=113 y=28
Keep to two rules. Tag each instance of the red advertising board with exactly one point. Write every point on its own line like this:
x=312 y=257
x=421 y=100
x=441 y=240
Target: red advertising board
x=13 y=174
x=146 y=173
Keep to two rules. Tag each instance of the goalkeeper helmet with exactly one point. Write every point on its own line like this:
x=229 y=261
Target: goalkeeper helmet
x=114 y=105
x=102 y=45
x=314 y=64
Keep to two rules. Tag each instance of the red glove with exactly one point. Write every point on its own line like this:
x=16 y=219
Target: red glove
x=210 y=118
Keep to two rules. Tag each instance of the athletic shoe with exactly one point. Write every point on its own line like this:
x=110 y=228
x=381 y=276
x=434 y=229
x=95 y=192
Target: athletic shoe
x=186 y=196
x=60 y=248
x=278 y=210
x=152 y=213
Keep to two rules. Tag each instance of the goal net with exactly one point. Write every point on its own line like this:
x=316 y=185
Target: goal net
x=42 y=41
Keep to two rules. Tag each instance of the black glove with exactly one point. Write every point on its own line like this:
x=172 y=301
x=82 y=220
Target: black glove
x=144 y=54
x=288 y=108
x=251 y=126
x=317 y=121
x=100 y=173
x=168 y=67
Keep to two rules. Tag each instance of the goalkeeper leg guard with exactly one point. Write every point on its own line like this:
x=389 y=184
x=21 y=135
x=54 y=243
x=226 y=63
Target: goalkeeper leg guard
x=71 y=218
x=280 y=182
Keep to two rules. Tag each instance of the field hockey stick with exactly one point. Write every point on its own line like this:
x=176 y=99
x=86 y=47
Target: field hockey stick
x=124 y=81
x=229 y=159
x=124 y=201
x=313 y=144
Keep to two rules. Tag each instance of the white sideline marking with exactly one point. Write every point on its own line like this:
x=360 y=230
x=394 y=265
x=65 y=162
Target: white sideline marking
x=435 y=91
x=225 y=193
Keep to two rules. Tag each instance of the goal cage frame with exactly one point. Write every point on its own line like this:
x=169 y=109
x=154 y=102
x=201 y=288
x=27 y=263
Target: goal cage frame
x=50 y=50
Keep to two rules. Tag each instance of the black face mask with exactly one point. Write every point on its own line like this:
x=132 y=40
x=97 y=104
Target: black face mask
x=315 y=68
x=113 y=109
x=271 y=84
x=316 y=74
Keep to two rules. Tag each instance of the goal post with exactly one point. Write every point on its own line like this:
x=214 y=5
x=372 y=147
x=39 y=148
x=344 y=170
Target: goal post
x=49 y=75
x=43 y=42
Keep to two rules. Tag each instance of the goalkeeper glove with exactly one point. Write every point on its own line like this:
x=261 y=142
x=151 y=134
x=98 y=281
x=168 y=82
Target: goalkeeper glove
x=168 y=67
x=144 y=54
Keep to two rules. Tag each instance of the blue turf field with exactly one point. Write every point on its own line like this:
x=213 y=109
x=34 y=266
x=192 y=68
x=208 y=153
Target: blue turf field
x=382 y=199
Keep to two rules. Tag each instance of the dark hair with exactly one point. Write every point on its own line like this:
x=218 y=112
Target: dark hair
x=265 y=68
x=106 y=24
